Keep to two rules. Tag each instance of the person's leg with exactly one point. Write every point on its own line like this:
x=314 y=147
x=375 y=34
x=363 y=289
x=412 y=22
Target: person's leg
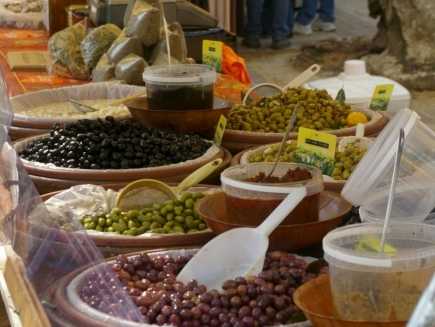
x=327 y=15
x=254 y=24
x=307 y=13
x=327 y=11
x=267 y=18
x=305 y=17
x=280 y=29
x=291 y=18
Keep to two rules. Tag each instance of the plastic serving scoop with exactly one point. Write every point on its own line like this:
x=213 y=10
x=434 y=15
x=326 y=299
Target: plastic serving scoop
x=148 y=191
x=270 y=89
x=240 y=251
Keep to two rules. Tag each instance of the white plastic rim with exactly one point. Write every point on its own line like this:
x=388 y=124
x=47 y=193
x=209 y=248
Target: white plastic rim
x=380 y=154
x=279 y=188
x=350 y=256
x=190 y=75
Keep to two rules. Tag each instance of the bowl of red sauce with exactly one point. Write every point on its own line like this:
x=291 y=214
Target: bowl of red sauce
x=251 y=194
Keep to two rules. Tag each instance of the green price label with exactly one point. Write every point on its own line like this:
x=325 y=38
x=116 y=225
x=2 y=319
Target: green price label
x=220 y=130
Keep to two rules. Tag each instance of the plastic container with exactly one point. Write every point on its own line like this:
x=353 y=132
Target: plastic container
x=250 y=202
x=373 y=286
x=180 y=87
x=368 y=186
x=359 y=86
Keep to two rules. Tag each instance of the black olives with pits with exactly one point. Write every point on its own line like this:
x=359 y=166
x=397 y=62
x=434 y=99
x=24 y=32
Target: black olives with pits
x=110 y=144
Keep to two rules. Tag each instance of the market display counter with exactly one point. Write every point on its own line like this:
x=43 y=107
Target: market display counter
x=19 y=82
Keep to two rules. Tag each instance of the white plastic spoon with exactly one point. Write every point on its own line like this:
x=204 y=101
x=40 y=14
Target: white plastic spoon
x=239 y=251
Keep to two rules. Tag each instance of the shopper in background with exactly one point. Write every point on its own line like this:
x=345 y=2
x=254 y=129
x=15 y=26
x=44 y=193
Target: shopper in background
x=307 y=15
x=279 y=23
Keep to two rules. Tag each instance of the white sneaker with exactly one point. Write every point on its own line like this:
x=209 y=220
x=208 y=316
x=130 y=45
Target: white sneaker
x=326 y=26
x=302 y=29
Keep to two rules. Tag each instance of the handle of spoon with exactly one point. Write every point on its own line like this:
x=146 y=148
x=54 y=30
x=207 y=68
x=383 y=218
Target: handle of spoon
x=290 y=126
x=252 y=89
x=282 y=211
x=82 y=107
x=303 y=77
x=392 y=190
x=197 y=176
x=121 y=101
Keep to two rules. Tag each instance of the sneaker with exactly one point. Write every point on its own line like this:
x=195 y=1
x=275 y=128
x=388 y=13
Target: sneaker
x=252 y=42
x=280 y=44
x=326 y=26
x=302 y=29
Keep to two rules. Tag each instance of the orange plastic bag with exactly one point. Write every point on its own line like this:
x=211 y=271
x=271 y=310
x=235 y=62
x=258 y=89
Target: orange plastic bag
x=234 y=65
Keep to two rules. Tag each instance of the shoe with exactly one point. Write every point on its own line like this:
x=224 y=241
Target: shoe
x=280 y=44
x=326 y=26
x=252 y=42
x=302 y=29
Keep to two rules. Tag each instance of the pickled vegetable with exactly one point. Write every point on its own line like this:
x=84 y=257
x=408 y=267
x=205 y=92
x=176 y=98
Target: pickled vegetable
x=170 y=217
x=346 y=161
x=316 y=110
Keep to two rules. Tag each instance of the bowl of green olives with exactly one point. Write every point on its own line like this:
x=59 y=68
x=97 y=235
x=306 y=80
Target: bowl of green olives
x=265 y=121
x=168 y=224
x=346 y=159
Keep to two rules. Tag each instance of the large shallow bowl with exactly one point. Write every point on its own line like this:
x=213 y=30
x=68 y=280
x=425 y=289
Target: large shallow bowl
x=330 y=185
x=50 y=184
x=71 y=309
x=116 y=175
x=237 y=141
x=315 y=299
x=92 y=91
x=113 y=244
x=18 y=133
x=332 y=209
x=184 y=121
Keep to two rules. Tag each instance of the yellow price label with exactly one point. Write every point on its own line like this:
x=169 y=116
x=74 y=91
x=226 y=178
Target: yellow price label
x=220 y=130
x=212 y=54
x=381 y=97
x=321 y=143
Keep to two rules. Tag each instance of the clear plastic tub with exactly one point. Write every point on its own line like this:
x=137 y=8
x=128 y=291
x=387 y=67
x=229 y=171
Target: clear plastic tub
x=180 y=87
x=369 y=183
x=249 y=203
x=372 y=286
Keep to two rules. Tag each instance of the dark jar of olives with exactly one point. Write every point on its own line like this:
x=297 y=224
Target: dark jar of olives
x=180 y=87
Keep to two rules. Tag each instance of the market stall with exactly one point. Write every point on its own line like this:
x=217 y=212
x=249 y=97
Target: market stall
x=139 y=187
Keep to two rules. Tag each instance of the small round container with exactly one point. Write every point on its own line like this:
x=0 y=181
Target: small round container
x=372 y=286
x=180 y=87
x=249 y=203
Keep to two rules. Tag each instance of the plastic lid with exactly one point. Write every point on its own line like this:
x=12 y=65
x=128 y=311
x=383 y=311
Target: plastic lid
x=354 y=68
x=235 y=177
x=357 y=84
x=181 y=74
x=414 y=246
x=378 y=158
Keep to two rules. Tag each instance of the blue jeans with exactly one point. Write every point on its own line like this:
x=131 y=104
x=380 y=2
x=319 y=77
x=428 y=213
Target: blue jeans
x=308 y=11
x=268 y=17
x=279 y=10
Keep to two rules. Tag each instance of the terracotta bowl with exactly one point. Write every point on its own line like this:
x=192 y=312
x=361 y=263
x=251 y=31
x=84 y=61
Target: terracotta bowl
x=116 y=244
x=236 y=141
x=332 y=209
x=118 y=175
x=18 y=133
x=315 y=300
x=184 y=121
x=50 y=184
